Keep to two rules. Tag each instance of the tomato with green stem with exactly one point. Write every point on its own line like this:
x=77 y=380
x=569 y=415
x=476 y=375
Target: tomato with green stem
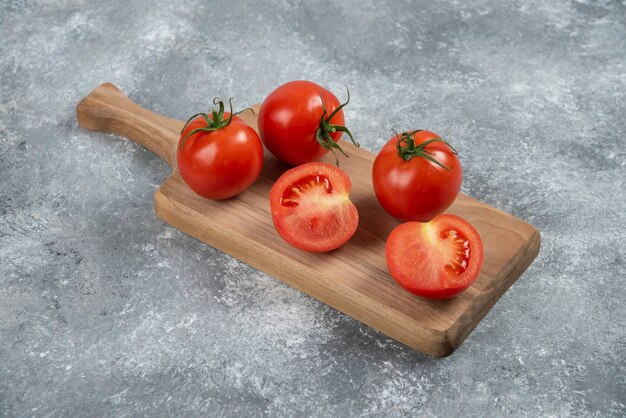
x=300 y=122
x=219 y=155
x=311 y=207
x=437 y=259
x=416 y=176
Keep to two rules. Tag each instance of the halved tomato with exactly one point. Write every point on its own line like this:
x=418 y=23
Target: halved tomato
x=436 y=259
x=311 y=207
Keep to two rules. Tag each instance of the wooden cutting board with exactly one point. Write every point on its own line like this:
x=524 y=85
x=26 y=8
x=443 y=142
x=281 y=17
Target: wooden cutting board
x=353 y=279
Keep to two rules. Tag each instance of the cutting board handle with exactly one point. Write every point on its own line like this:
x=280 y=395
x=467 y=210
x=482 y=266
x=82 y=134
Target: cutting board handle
x=107 y=109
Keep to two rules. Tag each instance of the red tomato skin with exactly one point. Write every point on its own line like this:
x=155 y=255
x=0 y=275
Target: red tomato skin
x=341 y=210
x=289 y=118
x=220 y=164
x=416 y=190
x=409 y=256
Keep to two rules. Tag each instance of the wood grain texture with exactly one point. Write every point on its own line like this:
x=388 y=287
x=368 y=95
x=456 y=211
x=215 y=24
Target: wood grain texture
x=353 y=279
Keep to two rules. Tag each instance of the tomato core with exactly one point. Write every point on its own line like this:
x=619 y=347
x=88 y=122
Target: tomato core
x=458 y=251
x=308 y=187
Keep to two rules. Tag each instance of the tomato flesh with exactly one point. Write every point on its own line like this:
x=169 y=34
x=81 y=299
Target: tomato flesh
x=437 y=259
x=311 y=208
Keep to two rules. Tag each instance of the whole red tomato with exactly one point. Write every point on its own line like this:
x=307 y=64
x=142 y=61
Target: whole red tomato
x=300 y=122
x=416 y=176
x=219 y=155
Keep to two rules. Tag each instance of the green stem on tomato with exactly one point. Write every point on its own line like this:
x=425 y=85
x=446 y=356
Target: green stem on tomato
x=215 y=122
x=326 y=128
x=407 y=149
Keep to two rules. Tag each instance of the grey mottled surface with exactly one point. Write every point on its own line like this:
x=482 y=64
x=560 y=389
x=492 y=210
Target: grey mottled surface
x=105 y=310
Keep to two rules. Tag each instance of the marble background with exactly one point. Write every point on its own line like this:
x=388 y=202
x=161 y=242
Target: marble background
x=106 y=310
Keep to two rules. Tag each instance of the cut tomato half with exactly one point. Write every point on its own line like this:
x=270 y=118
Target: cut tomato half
x=311 y=207
x=436 y=259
